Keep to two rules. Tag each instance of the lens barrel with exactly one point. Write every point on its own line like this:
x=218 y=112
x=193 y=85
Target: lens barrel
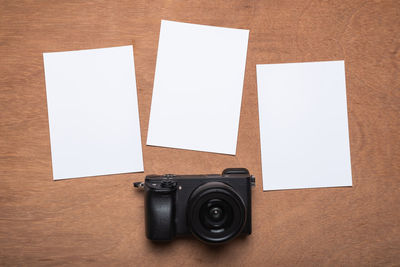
x=216 y=213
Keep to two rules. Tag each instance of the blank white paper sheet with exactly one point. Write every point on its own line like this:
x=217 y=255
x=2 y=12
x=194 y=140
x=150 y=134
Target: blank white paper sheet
x=93 y=112
x=303 y=125
x=198 y=86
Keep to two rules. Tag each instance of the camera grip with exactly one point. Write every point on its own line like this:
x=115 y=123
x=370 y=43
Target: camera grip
x=160 y=214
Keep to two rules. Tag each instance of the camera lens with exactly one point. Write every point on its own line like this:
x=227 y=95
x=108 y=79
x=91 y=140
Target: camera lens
x=216 y=213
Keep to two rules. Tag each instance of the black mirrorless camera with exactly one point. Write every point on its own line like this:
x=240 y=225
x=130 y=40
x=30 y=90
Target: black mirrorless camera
x=214 y=208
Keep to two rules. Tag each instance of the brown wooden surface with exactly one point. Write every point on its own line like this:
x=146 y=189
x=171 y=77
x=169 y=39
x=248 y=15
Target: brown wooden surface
x=99 y=220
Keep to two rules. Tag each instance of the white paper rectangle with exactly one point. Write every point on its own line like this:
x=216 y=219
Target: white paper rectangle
x=198 y=87
x=303 y=125
x=93 y=112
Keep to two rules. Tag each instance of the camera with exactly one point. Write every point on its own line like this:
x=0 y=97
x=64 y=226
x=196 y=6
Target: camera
x=214 y=208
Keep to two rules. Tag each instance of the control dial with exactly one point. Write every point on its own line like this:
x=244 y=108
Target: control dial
x=168 y=183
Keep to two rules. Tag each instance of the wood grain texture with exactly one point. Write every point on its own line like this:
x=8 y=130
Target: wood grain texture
x=99 y=221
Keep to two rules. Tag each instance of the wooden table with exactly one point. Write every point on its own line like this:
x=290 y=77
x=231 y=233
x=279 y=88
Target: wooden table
x=99 y=220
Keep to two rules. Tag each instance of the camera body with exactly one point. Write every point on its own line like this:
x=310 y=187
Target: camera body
x=214 y=208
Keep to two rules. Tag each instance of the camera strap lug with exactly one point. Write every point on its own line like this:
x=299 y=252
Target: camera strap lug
x=252 y=180
x=139 y=185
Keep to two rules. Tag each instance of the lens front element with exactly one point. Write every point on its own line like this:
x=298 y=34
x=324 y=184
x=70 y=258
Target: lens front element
x=216 y=214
